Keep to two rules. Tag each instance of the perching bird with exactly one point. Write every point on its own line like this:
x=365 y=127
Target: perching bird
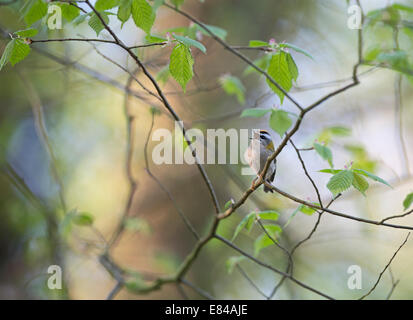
x=257 y=153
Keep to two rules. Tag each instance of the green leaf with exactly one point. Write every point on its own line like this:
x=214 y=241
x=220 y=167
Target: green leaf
x=402 y=7
x=28 y=33
x=295 y=48
x=96 y=24
x=232 y=262
x=372 y=176
x=137 y=225
x=292 y=67
x=262 y=63
x=255 y=112
x=279 y=71
x=327 y=134
x=7 y=54
x=307 y=210
x=177 y=3
x=154 y=39
x=324 y=152
x=83 y=219
x=65 y=226
x=408 y=201
x=360 y=183
x=143 y=15
x=233 y=86
x=396 y=59
x=280 y=121
x=274 y=230
x=181 y=64
x=69 y=12
x=190 y=42
x=372 y=53
x=332 y=171
x=137 y=284
x=340 y=182
x=258 y=43
x=37 y=10
x=163 y=75
x=264 y=240
x=228 y=204
x=246 y=223
x=157 y=4
x=102 y=5
x=20 y=50
x=292 y=216
x=124 y=10
x=80 y=19
x=268 y=215
x=216 y=31
x=340 y=131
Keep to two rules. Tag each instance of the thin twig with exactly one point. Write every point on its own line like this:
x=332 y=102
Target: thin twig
x=385 y=268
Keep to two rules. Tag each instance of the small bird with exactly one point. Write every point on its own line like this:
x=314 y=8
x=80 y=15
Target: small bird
x=257 y=153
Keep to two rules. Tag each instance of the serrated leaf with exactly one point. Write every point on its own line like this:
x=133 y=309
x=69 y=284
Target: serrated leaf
x=190 y=42
x=69 y=12
x=340 y=182
x=295 y=48
x=83 y=219
x=102 y=5
x=37 y=10
x=28 y=33
x=258 y=43
x=372 y=176
x=292 y=67
x=280 y=121
x=408 y=201
x=254 y=112
x=360 y=183
x=233 y=86
x=143 y=15
x=96 y=24
x=324 y=152
x=279 y=71
x=181 y=64
x=232 y=262
x=20 y=50
x=124 y=10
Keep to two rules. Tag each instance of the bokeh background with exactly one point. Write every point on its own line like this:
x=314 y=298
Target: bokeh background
x=86 y=124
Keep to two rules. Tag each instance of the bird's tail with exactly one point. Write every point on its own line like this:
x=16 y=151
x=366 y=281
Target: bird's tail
x=266 y=189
